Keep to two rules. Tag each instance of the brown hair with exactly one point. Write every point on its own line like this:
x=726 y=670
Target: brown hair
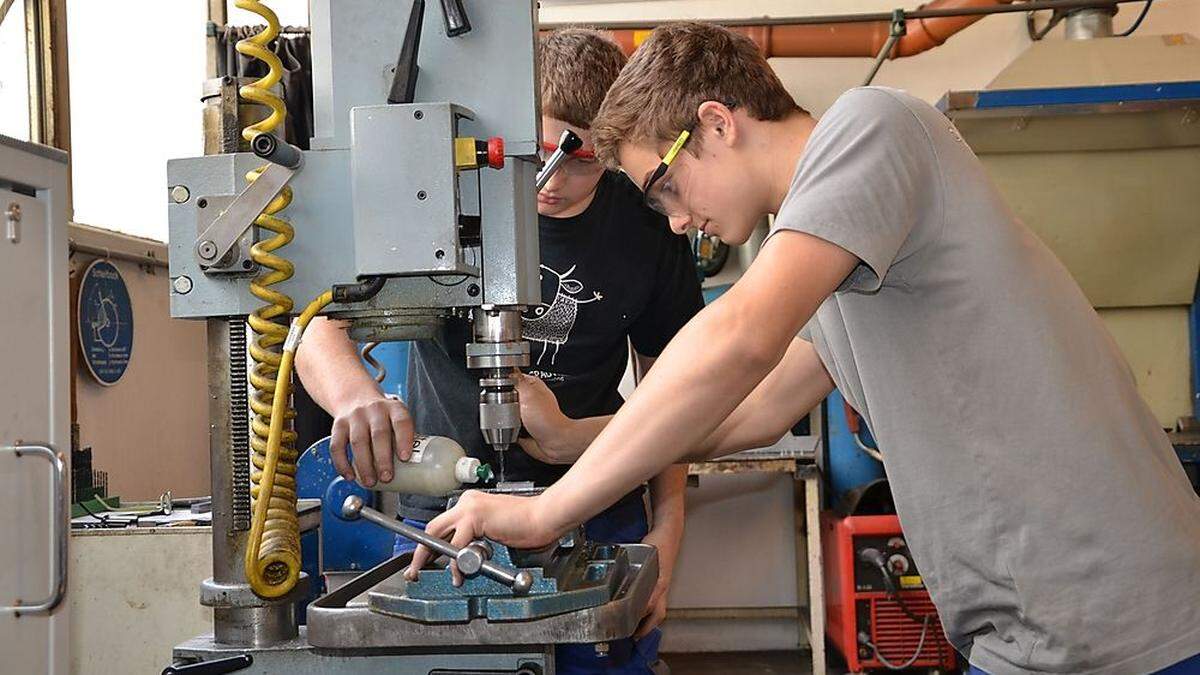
x=678 y=67
x=577 y=66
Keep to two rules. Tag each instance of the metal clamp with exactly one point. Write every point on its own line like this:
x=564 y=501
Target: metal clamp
x=61 y=530
x=898 y=29
x=214 y=243
x=470 y=559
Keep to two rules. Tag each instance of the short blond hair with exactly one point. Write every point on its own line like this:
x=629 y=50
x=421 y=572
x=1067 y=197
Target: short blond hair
x=678 y=67
x=577 y=67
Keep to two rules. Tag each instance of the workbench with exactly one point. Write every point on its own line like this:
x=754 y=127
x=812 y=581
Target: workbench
x=798 y=456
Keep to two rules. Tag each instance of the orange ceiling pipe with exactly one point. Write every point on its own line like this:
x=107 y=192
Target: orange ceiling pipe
x=861 y=39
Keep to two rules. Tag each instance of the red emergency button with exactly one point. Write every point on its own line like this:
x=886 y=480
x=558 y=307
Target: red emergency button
x=495 y=152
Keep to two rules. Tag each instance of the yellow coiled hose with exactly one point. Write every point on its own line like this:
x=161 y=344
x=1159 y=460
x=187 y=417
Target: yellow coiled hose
x=275 y=570
x=273 y=553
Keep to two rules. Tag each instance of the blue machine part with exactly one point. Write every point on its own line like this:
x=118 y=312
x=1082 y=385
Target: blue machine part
x=344 y=547
x=393 y=356
x=1052 y=96
x=576 y=575
x=849 y=467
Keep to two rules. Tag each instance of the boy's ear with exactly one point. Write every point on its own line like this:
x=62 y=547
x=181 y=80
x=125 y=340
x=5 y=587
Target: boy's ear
x=718 y=117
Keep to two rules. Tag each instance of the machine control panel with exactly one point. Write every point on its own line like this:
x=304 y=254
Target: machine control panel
x=897 y=559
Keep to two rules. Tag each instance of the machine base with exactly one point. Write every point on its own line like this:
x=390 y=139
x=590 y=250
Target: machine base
x=298 y=657
x=342 y=619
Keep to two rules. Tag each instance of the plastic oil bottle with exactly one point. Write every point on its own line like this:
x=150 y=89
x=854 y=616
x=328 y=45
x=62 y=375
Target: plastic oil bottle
x=438 y=467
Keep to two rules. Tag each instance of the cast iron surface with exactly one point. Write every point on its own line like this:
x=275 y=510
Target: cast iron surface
x=342 y=619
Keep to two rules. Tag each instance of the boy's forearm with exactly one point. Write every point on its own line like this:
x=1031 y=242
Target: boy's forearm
x=579 y=434
x=706 y=371
x=797 y=385
x=667 y=415
x=328 y=364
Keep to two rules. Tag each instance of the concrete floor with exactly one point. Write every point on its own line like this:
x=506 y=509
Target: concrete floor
x=742 y=663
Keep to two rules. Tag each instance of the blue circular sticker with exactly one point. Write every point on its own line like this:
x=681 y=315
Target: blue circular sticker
x=105 y=322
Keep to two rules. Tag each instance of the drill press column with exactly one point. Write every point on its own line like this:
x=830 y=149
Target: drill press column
x=498 y=349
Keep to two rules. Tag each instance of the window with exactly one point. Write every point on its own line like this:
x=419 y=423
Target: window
x=136 y=73
x=14 y=73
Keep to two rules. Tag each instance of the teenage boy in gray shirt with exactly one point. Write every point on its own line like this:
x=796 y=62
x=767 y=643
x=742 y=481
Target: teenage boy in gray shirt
x=1055 y=527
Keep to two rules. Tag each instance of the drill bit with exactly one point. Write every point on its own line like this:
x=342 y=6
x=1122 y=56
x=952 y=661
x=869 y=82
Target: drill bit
x=500 y=448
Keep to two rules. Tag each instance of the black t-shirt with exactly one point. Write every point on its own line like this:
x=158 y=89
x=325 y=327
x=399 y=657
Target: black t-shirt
x=613 y=273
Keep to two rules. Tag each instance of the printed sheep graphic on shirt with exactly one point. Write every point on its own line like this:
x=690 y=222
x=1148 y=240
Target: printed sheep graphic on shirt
x=551 y=324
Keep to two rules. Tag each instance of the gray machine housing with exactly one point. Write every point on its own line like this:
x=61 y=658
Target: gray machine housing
x=378 y=193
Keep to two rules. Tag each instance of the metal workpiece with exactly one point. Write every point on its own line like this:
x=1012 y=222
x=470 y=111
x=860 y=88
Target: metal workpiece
x=518 y=580
x=298 y=657
x=342 y=620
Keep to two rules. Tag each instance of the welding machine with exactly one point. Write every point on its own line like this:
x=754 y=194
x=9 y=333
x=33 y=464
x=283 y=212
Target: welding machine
x=878 y=612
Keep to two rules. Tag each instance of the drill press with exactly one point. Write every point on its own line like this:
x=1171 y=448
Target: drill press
x=415 y=202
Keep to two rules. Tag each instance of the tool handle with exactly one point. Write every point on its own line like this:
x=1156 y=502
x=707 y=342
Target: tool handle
x=216 y=667
x=457 y=21
x=519 y=580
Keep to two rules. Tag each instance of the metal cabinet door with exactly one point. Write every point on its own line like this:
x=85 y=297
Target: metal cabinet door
x=33 y=485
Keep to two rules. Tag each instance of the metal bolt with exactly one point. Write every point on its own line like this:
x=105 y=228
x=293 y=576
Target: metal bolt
x=469 y=559
x=473 y=290
x=207 y=250
x=180 y=194
x=418 y=115
x=439 y=254
x=182 y=284
x=202 y=202
x=247 y=264
x=601 y=649
x=421 y=195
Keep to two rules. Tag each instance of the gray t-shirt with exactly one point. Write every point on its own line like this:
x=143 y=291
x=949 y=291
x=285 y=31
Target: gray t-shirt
x=1054 y=525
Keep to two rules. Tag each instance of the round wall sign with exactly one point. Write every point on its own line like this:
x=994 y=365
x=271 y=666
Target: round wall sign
x=105 y=322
